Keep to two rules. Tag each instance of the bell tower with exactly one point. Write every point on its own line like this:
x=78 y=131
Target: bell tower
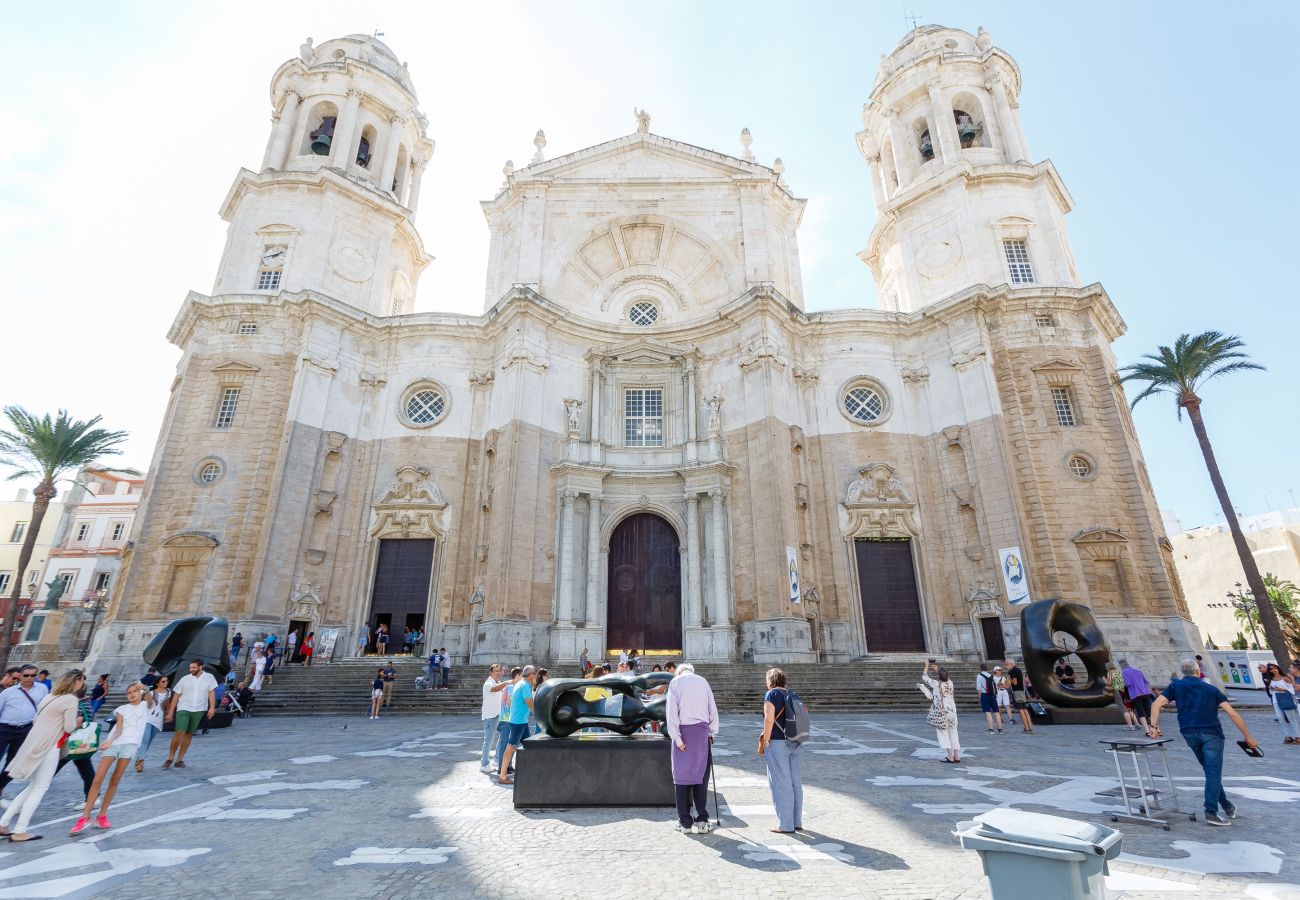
x=958 y=202
x=330 y=210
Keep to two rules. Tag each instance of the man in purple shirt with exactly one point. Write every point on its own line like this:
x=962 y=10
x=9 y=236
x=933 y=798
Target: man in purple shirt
x=1139 y=692
x=692 y=724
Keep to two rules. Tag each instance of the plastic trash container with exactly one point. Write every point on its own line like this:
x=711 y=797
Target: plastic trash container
x=1030 y=856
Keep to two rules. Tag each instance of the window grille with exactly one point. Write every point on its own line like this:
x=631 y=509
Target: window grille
x=1080 y=467
x=267 y=280
x=643 y=417
x=1063 y=402
x=1017 y=253
x=424 y=406
x=226 y=411
x=1044 y=320
x=643 y=313
x=210 y=473
x=863 y=404
x=249 y=327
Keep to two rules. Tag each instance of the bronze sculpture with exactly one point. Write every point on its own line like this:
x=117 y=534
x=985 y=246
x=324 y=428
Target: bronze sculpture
x=182 y=640
x=562 y=708
x=1039 y=622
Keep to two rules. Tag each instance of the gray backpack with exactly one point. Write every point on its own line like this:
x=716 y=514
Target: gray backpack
x=797 y=724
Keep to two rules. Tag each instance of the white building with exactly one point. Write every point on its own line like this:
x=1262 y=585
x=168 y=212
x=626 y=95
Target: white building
x=645 y=440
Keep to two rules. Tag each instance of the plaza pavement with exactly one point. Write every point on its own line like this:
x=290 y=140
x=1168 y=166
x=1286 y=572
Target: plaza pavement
x=396 y=808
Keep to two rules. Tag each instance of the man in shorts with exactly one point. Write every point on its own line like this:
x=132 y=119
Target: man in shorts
x=521 y=704
x=195 y=694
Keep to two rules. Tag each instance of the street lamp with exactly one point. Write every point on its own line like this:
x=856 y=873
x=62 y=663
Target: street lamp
x=94 y=603
x=1245 y=602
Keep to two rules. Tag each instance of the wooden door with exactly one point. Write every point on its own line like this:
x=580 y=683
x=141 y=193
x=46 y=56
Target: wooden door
x=994 y=645
x=403 y=571
x=891 y=606
x=645 y=597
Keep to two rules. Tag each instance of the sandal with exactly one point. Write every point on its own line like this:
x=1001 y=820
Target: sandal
x=139 y=765
x=30 y=837
x=506 y=780
x=167 y=764
x=779 y=831
x=180 y=764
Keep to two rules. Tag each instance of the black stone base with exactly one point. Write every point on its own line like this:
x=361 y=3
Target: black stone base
x=593 y=770
x=1104 y=715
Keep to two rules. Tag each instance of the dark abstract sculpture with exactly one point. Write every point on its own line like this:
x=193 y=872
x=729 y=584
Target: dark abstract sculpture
x=562 y=706
x=1039 y=622
x=200 y=637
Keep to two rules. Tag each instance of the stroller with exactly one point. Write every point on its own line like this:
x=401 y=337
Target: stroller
x=427 y=681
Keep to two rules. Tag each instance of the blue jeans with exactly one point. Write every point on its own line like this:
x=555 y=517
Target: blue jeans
x=783 y=777
x=1208 y=750
x=446 y=675
x=489 y=732
x=149 y=732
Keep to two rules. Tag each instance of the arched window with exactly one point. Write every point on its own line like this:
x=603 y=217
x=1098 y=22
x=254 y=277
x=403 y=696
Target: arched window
x=924 y=143
x=968 y=114
x=320 y=130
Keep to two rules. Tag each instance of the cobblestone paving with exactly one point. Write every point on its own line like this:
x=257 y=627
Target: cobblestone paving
x=397 y=808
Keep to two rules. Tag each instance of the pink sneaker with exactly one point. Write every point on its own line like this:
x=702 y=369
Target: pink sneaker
x=102 y=822
x=80 y=826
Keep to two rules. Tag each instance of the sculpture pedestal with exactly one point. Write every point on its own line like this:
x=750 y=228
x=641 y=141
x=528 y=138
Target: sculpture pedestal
x=594 y=770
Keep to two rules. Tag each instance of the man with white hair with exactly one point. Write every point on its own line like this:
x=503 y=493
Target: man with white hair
x=692 y=725
x=1198 y=721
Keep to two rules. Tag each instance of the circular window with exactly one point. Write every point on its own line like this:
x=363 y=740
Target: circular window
x=863 y=401
x=423 y=405
x=209 y=471
x=643 y=312
x=1080 y=466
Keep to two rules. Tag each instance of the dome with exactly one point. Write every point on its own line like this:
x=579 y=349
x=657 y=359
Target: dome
x=374 y=42
x=924 y=40
x=363 y=47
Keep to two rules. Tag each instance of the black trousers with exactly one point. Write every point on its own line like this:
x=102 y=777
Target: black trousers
x=688 y=792
x=85 y=768
x=11 y=738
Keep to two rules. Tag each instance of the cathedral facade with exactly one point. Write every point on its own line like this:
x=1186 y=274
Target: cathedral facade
x=645 y=441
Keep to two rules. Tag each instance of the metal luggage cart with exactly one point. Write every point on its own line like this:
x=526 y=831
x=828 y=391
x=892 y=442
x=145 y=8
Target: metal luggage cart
x=1142 y=799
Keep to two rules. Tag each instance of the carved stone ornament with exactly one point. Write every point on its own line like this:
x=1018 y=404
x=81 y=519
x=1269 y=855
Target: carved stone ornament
x=572 y=415
x=1101 y=543
x=372 y=380
x=714 y=404
x=305 y=602
x=409 y=506
x=983 y=600
x=762 y=352
x=878 y=506
x=325 y=501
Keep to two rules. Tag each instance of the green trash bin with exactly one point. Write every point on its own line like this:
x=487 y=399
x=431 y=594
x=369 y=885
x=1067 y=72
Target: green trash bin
x=1030 y=856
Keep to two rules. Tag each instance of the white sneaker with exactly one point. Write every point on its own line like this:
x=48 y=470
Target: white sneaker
x=685 y=829
x=705 y=827
x=486 y=770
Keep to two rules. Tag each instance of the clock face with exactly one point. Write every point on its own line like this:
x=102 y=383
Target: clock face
x=274 y=256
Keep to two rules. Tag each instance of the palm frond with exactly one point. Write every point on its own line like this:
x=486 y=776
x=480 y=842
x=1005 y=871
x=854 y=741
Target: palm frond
x=1189 y=363
x=47 y=447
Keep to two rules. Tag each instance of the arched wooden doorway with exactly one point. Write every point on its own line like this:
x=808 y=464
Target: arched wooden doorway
x=645 y=581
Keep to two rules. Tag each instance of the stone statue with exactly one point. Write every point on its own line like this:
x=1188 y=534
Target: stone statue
x=476 y=598
x=508 y=169
x=562 y=708
x=714 y=404
x=1039 y=622
x=745 y=140
x=572 y=411
x=539 y=141
x=307 y=52
x=642 y=120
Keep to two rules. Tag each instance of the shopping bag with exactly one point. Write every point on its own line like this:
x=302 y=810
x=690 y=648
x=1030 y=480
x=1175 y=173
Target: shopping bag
x=82 y=742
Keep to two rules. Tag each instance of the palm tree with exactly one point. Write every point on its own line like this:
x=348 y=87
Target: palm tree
x=47 y=450
x=1180 y=371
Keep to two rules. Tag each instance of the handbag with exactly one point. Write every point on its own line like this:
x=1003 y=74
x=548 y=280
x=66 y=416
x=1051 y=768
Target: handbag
x=83 y=741
x=938 y=716
x=1285 y=700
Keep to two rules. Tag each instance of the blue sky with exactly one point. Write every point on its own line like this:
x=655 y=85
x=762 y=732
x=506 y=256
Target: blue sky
x=1173 y=127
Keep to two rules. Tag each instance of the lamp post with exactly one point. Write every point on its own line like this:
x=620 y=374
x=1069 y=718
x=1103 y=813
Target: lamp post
x=94 y=604
x=1245 y=602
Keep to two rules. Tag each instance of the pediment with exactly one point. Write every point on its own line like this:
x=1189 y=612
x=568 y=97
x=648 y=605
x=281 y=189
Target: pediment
x=1100 y=536
x=1057 y=365
x=234 y=367
x=642 y=157
x=642 y=351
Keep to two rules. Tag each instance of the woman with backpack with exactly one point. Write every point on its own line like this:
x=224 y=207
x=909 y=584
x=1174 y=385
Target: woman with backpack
x=784 y=758
x=943 y=711
x=1284 y=704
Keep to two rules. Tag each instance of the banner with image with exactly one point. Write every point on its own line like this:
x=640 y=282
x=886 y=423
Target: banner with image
x=1014 y=577
x=792 y=570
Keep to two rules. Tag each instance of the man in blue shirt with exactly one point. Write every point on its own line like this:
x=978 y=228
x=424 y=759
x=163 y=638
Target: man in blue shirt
x=18 y=705
x=1198 y=721
x=521 y=703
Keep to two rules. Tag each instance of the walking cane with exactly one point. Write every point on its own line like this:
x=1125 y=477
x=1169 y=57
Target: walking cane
x=716 y=815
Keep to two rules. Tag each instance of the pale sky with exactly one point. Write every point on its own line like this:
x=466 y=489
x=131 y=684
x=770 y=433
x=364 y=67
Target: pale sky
x=1173 y=127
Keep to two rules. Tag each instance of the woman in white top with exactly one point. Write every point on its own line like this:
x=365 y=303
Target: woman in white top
x=943 y=711
x=132 y=718
x=1004 y=693
x=1282 y=692
x=161 y=694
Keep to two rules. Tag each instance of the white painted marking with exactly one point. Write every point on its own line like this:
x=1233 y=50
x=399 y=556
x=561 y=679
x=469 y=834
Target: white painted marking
x=952 y=809
x=1131 y=881
x=750 y=809
x=1264 y=890
x=309 y=760
x=1213 y=859
x=120 y=861
x=741 y=781
x=246 y=776
x=255 y=814
x=937 y=753
x=1069 y=794
x=396 y=856
x=117 y=805
x=800 y=853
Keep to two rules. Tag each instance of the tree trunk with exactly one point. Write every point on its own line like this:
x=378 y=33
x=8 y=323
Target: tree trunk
x=1267 y=615
x=43 y=494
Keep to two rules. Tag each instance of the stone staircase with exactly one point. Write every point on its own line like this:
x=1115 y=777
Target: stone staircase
x=879 y=684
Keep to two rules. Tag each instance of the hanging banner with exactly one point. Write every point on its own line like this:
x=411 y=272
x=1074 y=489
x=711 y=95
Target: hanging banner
x=1013 y=576
x=792 y=569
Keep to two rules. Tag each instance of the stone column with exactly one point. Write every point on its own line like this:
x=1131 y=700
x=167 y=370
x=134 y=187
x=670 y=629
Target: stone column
x=906 y=157
x=392 y=142
x=694 y=604
x=341 y=151
x=721 y=613
x=878 y=180
x=943 y=127
x=564 y=602
x=597 y=376
x=592 y=615
x=413 y=190
x=1014 y=145
x=692 y=449
x=278 y=151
